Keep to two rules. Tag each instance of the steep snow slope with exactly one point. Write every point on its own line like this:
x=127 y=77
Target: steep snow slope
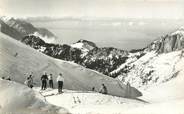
x=18 y=59
x=171 y=90
x=17 y=98
x=154 y=69
x=166 y=98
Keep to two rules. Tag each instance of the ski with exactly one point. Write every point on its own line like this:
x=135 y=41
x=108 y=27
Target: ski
x=79 y=101
x=74 y=100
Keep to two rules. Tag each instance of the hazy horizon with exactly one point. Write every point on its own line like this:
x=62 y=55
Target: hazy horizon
x=94 y=8
x=124 y=24
x=123 y=34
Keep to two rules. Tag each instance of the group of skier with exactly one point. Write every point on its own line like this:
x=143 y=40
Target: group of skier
x=103 y=89
x=60 y=81
x=44 y=79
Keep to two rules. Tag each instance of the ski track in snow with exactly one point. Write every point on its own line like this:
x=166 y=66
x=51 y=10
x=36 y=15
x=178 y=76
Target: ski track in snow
x=80 y=102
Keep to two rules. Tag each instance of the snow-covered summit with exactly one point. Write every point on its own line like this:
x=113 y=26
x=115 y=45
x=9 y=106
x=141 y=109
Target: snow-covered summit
x=84 y=45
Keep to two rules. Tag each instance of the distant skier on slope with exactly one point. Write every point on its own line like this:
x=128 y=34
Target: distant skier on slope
x=60 y=81
x=44 y=79
x=103 y=89
x=50 y=81
x=93 y=89
x=31 y=79
x=8 y=78
x=28 y=82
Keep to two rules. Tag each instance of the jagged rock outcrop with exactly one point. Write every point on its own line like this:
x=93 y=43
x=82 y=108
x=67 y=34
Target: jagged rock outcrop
x=64 y=52
x=168 y=43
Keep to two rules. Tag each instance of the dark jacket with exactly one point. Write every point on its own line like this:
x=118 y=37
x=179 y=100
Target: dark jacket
x=44 y=77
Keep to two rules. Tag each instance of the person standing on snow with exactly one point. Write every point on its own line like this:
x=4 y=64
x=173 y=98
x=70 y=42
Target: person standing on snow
x=8 y=78
x=60 y=81
x=28 y=82
x=50 y=81
x=103 y=89
x=44 y=79
x=31 y=80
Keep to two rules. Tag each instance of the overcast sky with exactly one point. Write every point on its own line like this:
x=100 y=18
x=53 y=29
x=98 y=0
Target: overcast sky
x=94 y=8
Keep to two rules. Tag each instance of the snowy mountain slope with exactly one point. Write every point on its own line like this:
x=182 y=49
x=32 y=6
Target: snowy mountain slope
x=17 y=98
x=132 y=57
x=154 y=69
x=85 y=53
x=84 y=45
x=90 y=102
x=166 y=97
x=18 y=28
x=169 y=91
x=18 y=59
x=156 y=63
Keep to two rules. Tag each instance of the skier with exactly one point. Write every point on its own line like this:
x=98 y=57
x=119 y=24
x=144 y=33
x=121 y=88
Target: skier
x=8 y=78
x=28 y=82
x=44 y=79
x=60 y=81
x=31 y=81
x=103 y=89
x=50 y=81
x=93 y=89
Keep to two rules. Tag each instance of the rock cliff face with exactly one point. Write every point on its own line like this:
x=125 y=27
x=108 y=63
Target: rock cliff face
x=168 y=43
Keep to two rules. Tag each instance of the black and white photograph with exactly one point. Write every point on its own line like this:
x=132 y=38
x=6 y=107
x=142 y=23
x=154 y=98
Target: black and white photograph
x=91 y=56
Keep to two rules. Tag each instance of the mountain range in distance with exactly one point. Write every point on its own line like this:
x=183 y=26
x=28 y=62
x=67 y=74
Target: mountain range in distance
x=110 y=61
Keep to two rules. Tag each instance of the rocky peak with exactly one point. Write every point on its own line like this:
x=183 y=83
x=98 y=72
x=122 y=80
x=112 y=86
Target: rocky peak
x=84 y=45
x=168 y=43
x=87 y=42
